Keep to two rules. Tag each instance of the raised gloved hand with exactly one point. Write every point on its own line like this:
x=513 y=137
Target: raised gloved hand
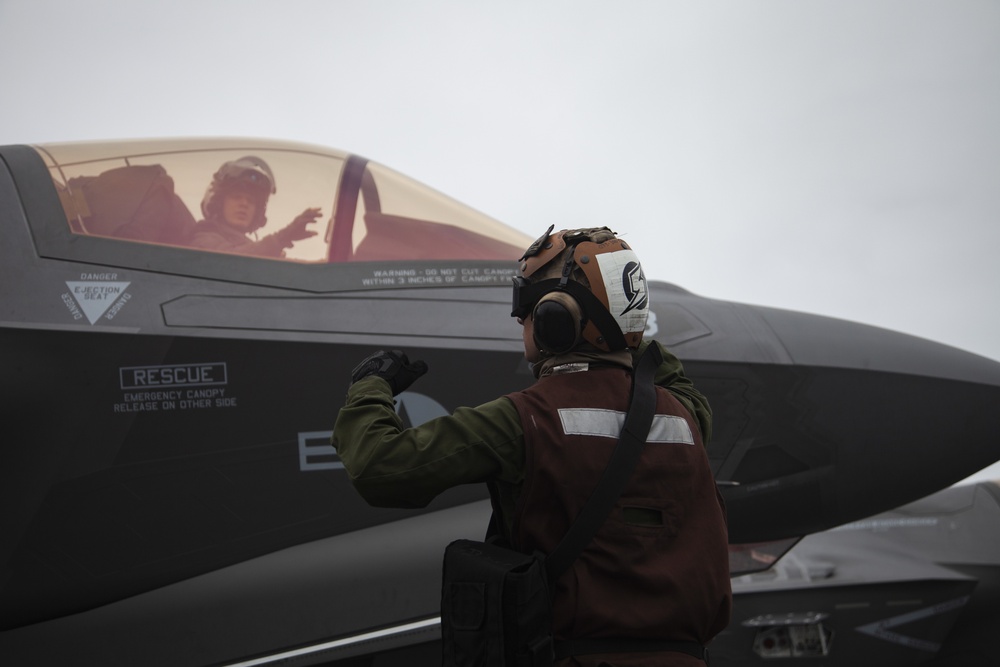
x=296 y=229
x=391 y=365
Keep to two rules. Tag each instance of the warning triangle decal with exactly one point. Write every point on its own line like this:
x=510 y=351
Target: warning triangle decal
x=95 y=297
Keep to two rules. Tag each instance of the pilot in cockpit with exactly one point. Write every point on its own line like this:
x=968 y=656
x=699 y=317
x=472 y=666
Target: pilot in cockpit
x=234 y=207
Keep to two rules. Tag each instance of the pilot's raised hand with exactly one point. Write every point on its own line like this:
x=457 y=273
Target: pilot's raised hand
x=296 y=229
x=393 y=366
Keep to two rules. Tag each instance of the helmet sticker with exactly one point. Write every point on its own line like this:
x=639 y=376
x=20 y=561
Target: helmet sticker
x=628 y=299
x=634 y=284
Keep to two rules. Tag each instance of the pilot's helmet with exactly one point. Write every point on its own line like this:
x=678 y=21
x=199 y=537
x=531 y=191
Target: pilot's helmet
x=250 y=173
x=582 y=286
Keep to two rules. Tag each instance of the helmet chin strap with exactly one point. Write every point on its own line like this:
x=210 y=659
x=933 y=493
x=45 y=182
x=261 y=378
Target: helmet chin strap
x=567 y=268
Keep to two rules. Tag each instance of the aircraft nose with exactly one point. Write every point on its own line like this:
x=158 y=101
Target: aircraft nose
x=825 y=341
x=820 y=421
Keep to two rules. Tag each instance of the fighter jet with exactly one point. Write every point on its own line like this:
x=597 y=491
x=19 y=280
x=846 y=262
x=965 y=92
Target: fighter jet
x=169 y=493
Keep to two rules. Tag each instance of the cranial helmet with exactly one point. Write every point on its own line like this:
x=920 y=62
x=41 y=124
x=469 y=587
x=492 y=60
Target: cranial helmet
x=250 y=173
x=582 y=285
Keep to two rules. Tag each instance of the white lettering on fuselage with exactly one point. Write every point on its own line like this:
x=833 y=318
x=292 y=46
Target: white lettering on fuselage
x=432 y=276
x=147 y=388
x=172 y=375
x=96 y=295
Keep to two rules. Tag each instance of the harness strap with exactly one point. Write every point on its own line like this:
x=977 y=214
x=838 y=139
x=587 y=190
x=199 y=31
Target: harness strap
x=571 y=647
x=624 y=458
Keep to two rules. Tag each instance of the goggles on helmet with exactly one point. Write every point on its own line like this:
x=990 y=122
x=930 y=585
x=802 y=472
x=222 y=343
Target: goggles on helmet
x=526 y=295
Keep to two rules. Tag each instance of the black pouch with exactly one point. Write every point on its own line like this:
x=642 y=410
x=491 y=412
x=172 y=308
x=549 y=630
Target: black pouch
x=495 y=607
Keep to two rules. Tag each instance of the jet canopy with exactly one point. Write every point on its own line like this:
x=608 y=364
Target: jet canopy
x=151 y=191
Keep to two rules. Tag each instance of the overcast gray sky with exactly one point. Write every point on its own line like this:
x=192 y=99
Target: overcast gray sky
x=836 y=157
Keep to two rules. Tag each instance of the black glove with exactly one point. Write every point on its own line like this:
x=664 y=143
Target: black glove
x=392 y=366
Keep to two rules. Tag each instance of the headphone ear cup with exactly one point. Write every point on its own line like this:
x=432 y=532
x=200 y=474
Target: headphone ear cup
x=558 y=323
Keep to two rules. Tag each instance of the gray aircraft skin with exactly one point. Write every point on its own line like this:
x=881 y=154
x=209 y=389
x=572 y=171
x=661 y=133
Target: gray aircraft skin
x=169 y=494
x=915 y=585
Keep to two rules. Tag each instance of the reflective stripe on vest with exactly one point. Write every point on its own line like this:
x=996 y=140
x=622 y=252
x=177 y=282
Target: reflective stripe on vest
x=608 y=424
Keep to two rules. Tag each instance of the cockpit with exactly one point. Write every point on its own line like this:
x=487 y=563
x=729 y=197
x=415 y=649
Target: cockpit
x=180 y=193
